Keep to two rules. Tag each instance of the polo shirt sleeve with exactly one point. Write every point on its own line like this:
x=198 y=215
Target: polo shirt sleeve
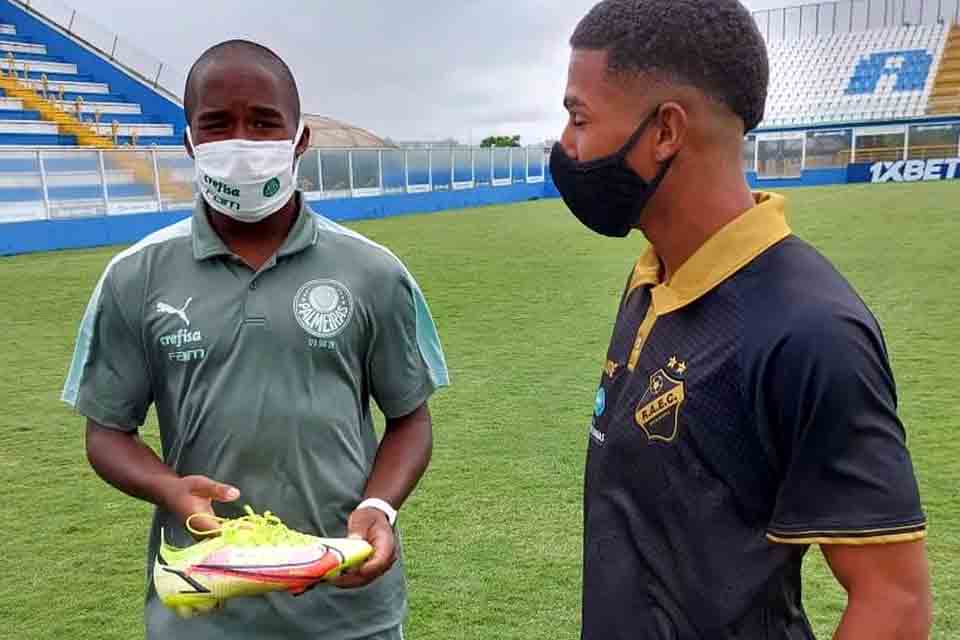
x=848 y=477
x=407 y=362
x=108 y=380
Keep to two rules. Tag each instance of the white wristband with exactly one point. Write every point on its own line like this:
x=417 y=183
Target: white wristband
x=380 y=505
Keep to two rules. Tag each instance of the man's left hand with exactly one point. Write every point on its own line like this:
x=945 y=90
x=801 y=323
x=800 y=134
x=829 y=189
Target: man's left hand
x=371 y=525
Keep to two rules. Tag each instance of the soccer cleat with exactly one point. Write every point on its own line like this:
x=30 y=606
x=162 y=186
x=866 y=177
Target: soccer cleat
x=248 y=556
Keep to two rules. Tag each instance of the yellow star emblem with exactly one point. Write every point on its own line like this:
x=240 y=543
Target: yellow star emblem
x=672 y=362
x=681 y=367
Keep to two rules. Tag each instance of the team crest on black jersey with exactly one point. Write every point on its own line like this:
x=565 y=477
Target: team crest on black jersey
x=658 y=413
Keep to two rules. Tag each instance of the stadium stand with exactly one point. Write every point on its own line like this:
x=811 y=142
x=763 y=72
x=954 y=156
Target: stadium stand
x=71 y=142
x=61 y=84
x=883 y=74
x=860 y=91
x=945 y=98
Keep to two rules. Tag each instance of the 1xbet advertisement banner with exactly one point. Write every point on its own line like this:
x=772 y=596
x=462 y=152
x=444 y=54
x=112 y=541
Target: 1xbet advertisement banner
x=904 y=171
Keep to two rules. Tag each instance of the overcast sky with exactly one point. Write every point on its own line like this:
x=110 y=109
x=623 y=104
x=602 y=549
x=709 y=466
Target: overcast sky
x=419 y=69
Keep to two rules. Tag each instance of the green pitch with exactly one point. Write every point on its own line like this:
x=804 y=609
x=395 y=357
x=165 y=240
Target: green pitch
x=524 y=300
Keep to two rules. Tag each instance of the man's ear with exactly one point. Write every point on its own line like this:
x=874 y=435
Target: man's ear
x=304 y=142
x=672 y=124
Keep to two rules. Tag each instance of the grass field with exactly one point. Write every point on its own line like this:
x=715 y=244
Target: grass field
x=524 y=299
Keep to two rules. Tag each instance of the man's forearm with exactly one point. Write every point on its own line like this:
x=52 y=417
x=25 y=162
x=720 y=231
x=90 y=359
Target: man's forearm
x=402 y=457
x=127 y=463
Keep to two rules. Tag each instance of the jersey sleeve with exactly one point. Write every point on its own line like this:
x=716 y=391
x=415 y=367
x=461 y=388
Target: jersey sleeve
x=407 y=362
x=848 y=475
x=108 y=380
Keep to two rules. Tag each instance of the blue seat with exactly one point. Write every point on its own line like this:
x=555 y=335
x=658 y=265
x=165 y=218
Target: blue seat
x=40 y=57
x=146 y=141
x=38 y=139
x=6 y=37
x=57 y=77
x=122 y=118
x=16 y=114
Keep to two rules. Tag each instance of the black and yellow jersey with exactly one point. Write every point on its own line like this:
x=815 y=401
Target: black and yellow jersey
x=746 y=410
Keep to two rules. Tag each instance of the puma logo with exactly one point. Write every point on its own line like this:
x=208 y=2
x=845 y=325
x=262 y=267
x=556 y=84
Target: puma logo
x=163 y=307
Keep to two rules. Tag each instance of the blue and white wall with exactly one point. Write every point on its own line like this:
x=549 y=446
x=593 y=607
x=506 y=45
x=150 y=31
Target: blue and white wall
x=49 y=235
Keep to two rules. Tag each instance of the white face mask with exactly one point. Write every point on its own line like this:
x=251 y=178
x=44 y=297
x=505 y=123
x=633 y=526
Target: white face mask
x=247 y=180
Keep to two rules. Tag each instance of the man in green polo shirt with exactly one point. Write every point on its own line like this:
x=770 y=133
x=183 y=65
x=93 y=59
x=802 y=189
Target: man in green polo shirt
x=260 y=332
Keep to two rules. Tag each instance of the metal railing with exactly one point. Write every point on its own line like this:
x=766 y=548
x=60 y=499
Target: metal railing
x=788 y=154
x=848 y=16
x=110 y=45
x=337 y=173
x=55 y=183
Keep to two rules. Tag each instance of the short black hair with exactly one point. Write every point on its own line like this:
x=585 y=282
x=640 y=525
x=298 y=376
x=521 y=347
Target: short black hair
x=254 y=52
x=711 y=45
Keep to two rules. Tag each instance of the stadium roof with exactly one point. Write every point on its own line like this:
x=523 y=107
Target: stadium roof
x=327 y=133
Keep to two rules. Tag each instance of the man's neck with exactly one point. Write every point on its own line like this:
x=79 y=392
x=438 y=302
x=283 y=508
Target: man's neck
x=693 y=215
x=256 y=242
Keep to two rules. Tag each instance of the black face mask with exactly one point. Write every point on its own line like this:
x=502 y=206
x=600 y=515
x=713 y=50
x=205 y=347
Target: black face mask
x=605 y=194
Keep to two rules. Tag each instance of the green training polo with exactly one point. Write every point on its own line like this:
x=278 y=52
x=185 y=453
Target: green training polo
x=262 y=380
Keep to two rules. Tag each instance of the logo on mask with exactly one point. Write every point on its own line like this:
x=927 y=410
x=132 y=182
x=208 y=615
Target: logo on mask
x=271 y=188
x=222 y=193
x=323 y=308
x=659 y=409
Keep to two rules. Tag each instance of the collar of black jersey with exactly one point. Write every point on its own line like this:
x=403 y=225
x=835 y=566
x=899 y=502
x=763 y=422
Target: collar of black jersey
x=725 y=253
x=208 y=244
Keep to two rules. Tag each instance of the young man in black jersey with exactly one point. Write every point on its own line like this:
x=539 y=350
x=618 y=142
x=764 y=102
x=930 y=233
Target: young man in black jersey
x=746 y=408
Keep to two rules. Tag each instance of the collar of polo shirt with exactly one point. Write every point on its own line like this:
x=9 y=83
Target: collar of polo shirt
x=207 y=244
x=725 y=253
